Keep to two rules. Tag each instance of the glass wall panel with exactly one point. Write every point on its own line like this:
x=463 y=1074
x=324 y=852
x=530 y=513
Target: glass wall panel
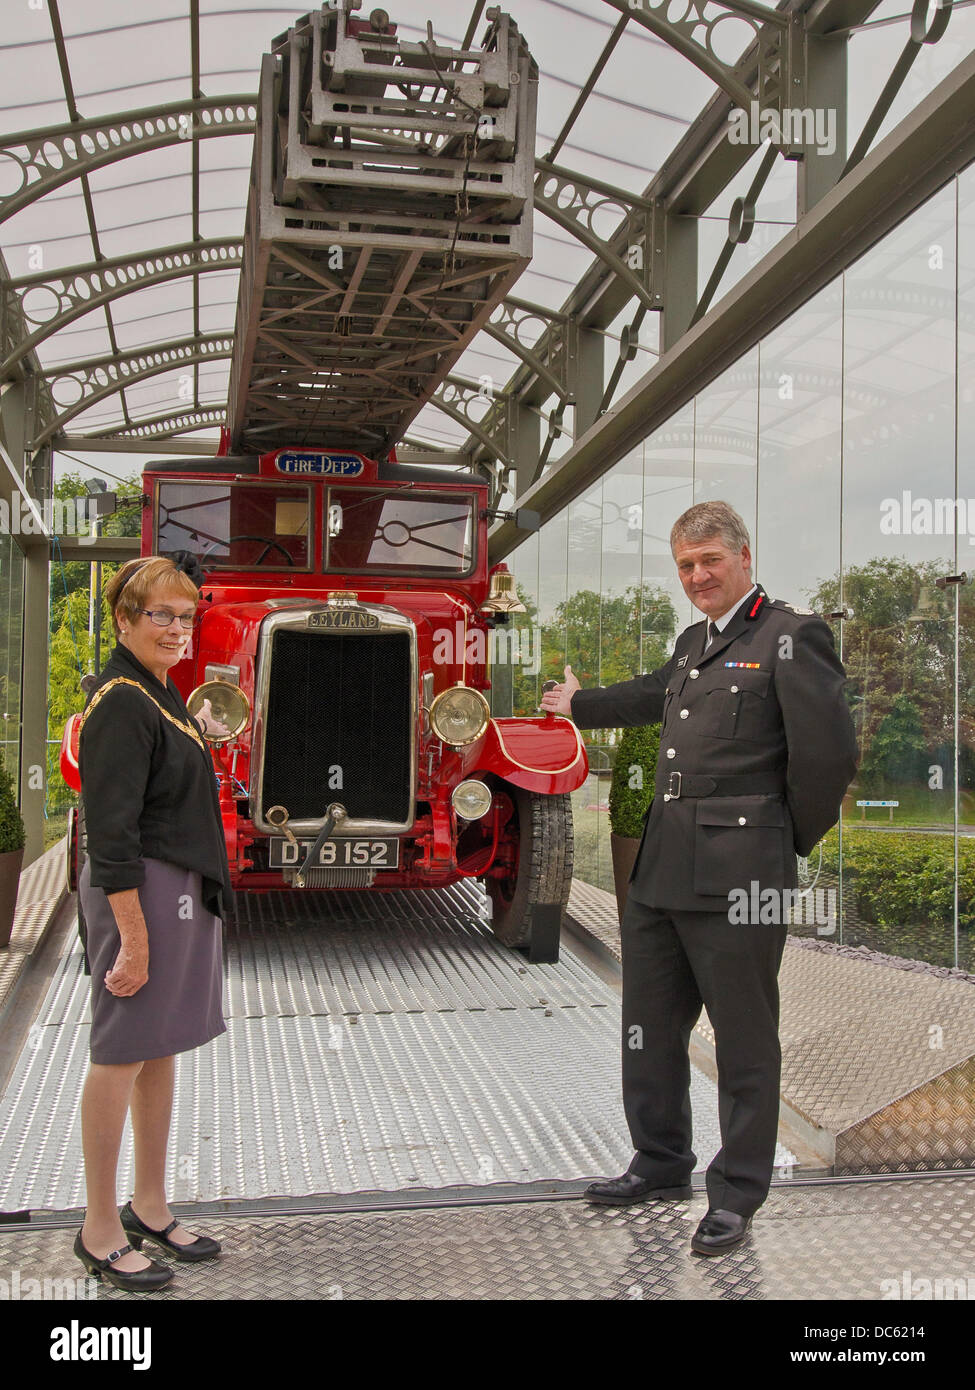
x=965 y=563
x=524 y=645
x=553 y=540
x=726 y=439
x=621 y=610
x=898 y=648
x=668 y=490
x=11 y=640
x=797 y=543
x=581 y=616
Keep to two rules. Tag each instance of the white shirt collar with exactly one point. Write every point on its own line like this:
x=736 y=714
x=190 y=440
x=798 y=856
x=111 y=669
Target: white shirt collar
x=722 y=623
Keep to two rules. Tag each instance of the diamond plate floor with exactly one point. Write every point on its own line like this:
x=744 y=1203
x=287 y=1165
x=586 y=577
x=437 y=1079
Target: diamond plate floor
x=396 y=1045
x=869 y=1242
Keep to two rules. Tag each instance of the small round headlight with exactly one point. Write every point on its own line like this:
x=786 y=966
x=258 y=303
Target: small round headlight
x=459 y=715
x=471 y=800
x=228 y=704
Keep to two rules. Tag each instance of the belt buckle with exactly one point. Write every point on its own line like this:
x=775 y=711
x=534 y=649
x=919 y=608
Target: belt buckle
x=674 y=795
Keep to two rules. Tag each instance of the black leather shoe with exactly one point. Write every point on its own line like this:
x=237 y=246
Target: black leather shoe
x=203 y=1248
x=620 y=1192
x=154 y=1276
x=719 y=1231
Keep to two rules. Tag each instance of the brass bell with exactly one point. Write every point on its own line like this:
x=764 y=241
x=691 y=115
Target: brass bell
x=503 y=597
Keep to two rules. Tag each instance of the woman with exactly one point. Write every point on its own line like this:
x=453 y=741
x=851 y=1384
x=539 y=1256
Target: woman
x=153 y=889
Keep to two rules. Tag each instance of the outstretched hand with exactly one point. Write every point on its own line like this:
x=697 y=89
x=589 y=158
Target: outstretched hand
x=211 y=724
x=558 y=700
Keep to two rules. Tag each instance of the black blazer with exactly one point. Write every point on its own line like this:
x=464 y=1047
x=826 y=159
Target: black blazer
x=764 y=706
x=148 y=786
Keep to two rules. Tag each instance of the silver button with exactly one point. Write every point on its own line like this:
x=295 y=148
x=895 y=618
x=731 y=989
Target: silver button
x=666 y=796
x=671 y=752
x=734 y=690
x=741 y=820
x=684 y=713
x=694 y=674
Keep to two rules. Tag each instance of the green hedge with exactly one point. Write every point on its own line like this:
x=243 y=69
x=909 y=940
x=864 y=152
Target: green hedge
x=900 y=877
x=637 y=748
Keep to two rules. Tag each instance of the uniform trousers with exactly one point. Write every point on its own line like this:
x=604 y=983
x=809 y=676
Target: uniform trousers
x=672 y=963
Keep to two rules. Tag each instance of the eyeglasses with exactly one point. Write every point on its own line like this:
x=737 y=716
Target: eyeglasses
x=162 y=617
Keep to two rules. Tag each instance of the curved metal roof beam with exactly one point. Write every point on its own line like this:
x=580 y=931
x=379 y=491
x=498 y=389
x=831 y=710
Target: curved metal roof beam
x=77 y=385
x=33 y=162
x=68 y=294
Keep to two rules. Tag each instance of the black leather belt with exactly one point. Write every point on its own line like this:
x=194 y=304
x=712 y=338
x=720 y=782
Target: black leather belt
x=750 y=784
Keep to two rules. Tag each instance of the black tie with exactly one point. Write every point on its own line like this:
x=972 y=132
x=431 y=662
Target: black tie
x=712 y=634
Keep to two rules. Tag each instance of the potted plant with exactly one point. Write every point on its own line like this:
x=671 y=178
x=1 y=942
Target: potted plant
x=11 y=854
x=630 y=793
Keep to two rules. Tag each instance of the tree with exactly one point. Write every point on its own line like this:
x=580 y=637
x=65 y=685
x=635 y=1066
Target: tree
x=603 y=634
x=71 y=648
x=899 y=643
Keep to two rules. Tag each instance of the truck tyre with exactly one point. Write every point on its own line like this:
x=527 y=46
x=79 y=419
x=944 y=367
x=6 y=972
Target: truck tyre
x=542 y=874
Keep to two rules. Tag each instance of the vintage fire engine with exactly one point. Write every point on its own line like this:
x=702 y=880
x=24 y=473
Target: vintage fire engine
x=344 y=631
x=348 y=601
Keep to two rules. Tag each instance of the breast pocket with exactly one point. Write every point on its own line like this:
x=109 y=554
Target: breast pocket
x=736 y=704
x=738 y=840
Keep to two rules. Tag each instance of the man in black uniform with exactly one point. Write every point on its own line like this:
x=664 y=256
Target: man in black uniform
x=757 y=748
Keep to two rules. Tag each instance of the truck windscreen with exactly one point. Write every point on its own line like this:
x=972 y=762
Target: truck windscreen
x=399 y=532
x=235 y=525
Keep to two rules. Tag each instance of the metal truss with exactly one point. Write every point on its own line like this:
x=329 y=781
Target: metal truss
x=574 y=200
x=690 y=30
x=459 y=398
x=163 y=426
x=78 y=385
x=48 y=301
x=790 y=65
x=34 y=163
x=389 y=213
x=633 y=264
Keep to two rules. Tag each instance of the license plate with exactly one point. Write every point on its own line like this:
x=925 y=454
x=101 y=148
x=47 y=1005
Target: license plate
x=336 y=853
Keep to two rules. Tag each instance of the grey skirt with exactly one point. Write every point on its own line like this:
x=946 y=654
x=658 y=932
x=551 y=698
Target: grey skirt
x=179 y=1007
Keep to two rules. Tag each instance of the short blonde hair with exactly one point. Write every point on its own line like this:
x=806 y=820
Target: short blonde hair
x=129 y=588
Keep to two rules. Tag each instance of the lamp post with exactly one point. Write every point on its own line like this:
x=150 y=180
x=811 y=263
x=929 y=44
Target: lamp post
x=94 y=487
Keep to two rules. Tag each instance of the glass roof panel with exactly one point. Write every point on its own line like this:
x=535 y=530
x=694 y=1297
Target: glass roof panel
x=126 y=56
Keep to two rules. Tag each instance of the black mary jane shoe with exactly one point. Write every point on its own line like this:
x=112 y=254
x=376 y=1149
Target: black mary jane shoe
x=203 y=1248
x=131 y=1280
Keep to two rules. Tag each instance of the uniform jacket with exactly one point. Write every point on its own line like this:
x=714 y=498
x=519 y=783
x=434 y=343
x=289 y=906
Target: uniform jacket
x=763 y=706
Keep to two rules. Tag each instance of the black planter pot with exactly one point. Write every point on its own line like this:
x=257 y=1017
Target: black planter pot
x=625 y=848
x=10 y=865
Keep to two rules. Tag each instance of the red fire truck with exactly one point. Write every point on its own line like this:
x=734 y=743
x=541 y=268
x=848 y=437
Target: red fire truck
x=345 y=630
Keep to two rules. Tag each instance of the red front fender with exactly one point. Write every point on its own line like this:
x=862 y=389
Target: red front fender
x=542 y=754
x=69 y=753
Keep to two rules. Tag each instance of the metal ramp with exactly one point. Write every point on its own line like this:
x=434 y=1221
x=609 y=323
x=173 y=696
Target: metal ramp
x=389 y=213
x=375 y=1042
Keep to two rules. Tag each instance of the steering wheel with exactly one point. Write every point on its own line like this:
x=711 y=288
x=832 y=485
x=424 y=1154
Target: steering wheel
x=260 y=559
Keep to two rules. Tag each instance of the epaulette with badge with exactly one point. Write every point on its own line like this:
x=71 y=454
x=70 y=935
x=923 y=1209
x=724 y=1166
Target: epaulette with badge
x=793 y=608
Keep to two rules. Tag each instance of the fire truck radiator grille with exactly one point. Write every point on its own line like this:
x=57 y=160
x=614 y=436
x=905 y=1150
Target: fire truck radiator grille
x=338 y=725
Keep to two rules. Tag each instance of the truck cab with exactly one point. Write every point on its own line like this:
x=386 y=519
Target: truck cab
x=344 y=638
